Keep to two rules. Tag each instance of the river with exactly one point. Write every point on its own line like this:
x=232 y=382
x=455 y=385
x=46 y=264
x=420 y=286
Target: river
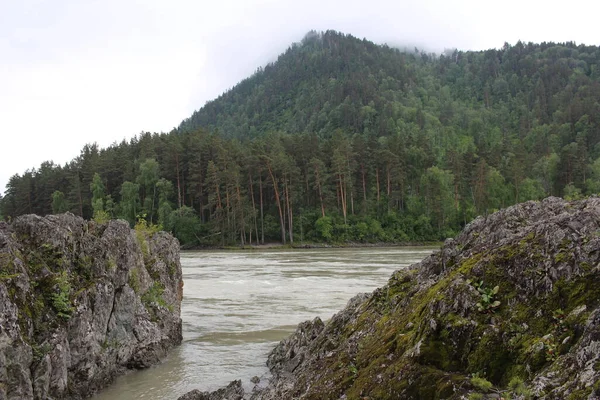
x=237 y=305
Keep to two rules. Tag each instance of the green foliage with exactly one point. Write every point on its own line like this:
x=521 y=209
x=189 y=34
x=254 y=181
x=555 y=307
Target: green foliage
x=40 y=351
x=185 y=225
x=550 y=347
x=572 y=193
x=60 y=297
x=476 y=396
x=481 y=384
x=101 y=216
x=517 y=387
x=324 y=228
x=59 y=203
x=130 y=201
x=97 y=189
x=134 y=280
x=144 y=228
x=147 y=179
x=488 y=302
x=154 y=296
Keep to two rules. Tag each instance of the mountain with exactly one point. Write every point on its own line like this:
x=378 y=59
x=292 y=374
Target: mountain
x=299 y=92
x=344 y=140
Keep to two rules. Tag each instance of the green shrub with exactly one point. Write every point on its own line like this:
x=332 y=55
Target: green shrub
x=481 y=383
x=154 y=295
x=60 y=299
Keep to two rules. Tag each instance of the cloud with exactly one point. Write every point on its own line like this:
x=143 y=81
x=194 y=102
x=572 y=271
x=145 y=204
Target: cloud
x=76 y=72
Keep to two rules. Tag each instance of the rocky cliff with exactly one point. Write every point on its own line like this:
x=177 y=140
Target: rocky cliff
x=508 y=309
x=81 y=302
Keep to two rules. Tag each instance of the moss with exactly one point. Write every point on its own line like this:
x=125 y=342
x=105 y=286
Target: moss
x=172 y=268
x=83 y=266
x=134 y=280
x=490 y=357
x=580 y=394
x=504 y=347
x=39 y=351
x=111 y=264
x=152 y=268
x=481 y=384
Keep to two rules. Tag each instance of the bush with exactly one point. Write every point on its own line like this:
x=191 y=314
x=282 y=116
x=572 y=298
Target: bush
x=60 y=298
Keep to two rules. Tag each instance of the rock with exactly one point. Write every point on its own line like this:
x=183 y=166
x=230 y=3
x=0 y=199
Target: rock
x=81 y=302
x=233 y=391
x=433 y=326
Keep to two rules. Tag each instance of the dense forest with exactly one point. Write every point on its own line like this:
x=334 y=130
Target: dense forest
x=344 y=140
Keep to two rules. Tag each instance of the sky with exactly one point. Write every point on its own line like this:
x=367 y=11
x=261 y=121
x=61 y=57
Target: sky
x=74 y=72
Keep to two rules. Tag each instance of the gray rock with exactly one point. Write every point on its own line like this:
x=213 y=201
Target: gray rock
x=423 y=335
x=233 y=391
x=81 y=302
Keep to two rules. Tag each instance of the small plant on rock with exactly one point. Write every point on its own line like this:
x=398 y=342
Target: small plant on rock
x=481 y=383
x=60 y=298
x=488 y=302
x=518 y=387
x=559 y=317
x=550 y=347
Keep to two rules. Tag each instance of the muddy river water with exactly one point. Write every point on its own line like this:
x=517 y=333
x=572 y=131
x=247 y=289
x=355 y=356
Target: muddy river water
x=238 y=305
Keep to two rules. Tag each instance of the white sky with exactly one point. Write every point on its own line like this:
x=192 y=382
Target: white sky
x=83 y=71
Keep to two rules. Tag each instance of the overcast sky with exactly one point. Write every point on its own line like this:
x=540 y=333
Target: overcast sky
x=84 y=71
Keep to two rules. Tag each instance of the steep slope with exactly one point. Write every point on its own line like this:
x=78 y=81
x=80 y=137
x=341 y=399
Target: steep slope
x=332 y=80
x=297 y=92
x=81 y=302
x=441 y=329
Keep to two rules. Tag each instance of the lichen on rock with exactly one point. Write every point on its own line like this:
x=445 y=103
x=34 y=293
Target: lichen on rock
x=81 y=302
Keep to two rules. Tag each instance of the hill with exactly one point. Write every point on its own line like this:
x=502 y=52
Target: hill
x=344 y=140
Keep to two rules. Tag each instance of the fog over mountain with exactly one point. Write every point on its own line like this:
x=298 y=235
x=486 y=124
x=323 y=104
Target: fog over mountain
x=80 y=72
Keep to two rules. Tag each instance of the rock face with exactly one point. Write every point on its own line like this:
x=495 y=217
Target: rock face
x=233 y=391
x=81 y=302
x=510 y=308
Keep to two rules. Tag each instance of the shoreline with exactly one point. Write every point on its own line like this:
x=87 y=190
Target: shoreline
x=280 y=246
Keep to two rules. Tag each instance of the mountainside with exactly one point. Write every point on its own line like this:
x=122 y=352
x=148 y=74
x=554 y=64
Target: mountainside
x=342 y=140
x=331 y=80
x=298 y=92
x=507 y=309
x=81 y=302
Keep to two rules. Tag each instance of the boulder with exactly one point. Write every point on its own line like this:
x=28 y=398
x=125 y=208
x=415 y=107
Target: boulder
x=507 y=309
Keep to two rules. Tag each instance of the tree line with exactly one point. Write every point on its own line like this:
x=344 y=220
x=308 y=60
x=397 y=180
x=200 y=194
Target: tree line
x=344 y=140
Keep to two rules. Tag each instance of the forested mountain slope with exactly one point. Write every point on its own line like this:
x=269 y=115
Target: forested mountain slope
x=344 y=140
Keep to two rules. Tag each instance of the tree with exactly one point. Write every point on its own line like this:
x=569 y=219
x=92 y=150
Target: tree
x=130 y=201
x=147 y=179
x=437 y=186
x=165 y=191
x=184 y=224
x=98 y=192
x=59 y=203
